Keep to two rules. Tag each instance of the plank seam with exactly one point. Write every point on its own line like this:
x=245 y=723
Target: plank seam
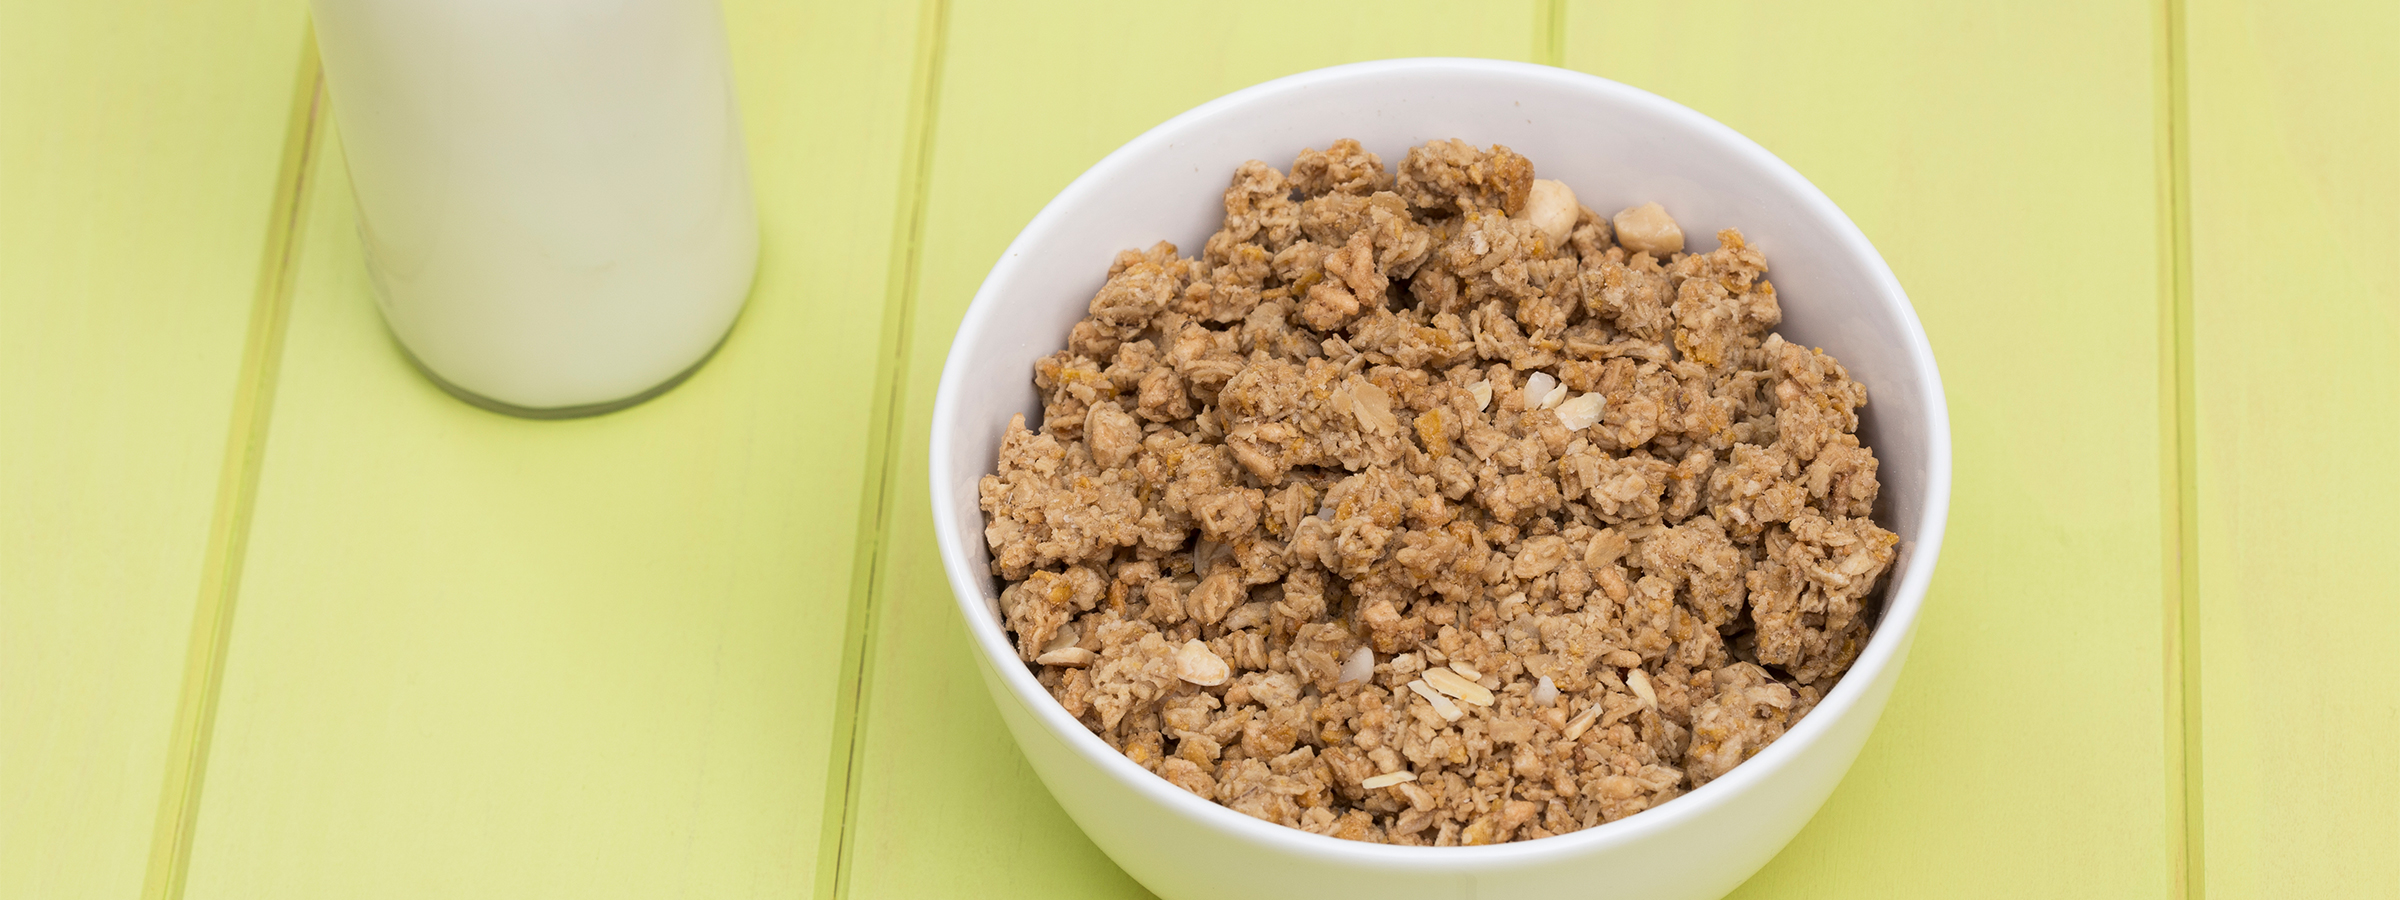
x=1550 y=32
x=237 y=491
x=835 y=837
x=2187 y=820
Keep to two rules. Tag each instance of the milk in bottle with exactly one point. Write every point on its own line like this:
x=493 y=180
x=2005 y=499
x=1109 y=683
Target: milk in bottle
x=552 y=194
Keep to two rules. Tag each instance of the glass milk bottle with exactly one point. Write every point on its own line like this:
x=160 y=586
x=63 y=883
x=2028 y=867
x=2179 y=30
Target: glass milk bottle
x=552 y=194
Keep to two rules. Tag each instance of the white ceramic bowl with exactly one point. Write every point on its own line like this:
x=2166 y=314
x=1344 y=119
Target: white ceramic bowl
x=1616 y=147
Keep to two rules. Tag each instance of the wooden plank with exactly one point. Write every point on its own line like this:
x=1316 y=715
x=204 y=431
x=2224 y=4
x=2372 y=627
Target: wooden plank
x=2295 y=310
x=140 y=158
x=2005 y=158
x=1031 y=95
x=483 y=656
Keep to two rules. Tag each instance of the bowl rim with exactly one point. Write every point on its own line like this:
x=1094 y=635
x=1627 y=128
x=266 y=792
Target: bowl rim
x=1904 y=596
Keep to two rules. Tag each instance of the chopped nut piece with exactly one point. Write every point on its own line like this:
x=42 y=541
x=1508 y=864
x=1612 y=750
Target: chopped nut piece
x=1648 y=229
x=1551 y=208
x=1449 y=682
x=1194 y=663
x=1386 y=780
x=1545 y=692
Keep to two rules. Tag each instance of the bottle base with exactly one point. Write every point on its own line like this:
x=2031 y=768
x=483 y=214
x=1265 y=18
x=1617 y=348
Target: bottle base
x=556 y=412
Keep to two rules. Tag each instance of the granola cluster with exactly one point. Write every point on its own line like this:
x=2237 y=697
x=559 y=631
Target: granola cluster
x=1431 y=507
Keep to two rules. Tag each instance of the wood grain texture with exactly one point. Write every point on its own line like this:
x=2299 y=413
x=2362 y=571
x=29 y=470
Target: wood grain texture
x=1031 y=95
x=2295 y=301
x=479 y=656
x=140 y=150
x=2004 y=158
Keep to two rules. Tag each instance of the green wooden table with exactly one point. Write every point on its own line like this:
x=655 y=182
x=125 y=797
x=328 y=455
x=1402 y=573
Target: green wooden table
x=280 y=619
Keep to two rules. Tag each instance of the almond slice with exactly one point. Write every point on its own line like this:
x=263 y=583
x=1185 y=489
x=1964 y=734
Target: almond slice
x=1640 y=684
x=1576 y=726
x=1466 y=670
x=1359 y=667
x=1482 y=392
x=1606 y=548
x=1196 y=664
x=1556 y=396
x=1386 y=780
x=1449 y=682
x=1067 y=637
x=1537 y=388
x=1449 y=711
x=1372 y=406
x=1072 y=657
x=1581 y=412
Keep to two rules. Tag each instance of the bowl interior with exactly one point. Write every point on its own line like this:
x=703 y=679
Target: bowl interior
x=1614 y=145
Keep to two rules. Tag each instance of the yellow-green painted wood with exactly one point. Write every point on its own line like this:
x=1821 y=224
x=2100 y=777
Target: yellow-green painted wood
x=141 y=146
x=1030 y=95
x=2004 y=157
x=2295 y=309
x=477 y=656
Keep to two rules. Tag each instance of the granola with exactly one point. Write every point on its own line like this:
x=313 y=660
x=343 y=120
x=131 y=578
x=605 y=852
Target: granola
x=1430 y=507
